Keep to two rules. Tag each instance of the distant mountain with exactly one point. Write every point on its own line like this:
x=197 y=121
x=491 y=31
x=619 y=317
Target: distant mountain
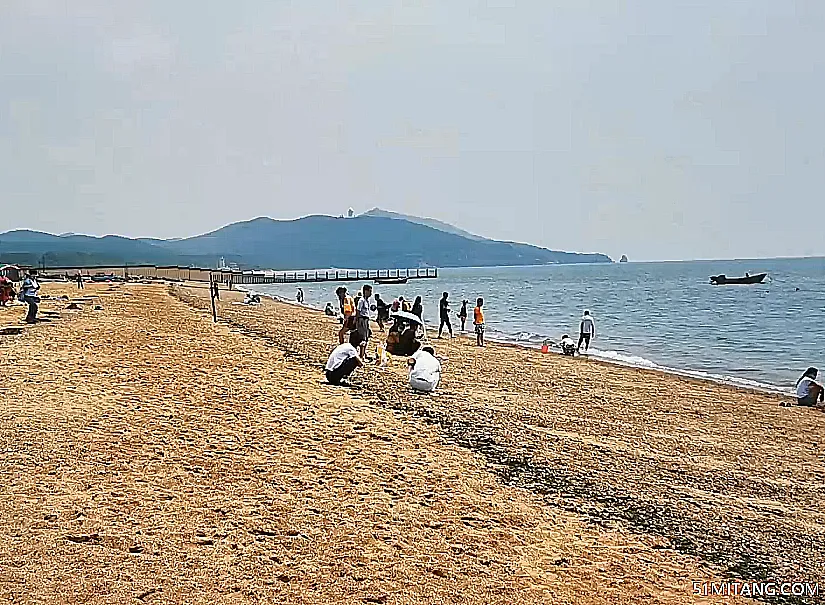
x=313 y=242
x=429 y=222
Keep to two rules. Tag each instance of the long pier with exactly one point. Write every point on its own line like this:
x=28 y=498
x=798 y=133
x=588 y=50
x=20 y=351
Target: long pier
x=336 y=275
x=232 y=277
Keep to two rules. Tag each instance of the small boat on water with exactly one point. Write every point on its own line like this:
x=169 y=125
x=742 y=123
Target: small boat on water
x=390 y=280
x=722 y=280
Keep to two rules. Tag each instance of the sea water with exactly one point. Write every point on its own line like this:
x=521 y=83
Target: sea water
x=657 y=315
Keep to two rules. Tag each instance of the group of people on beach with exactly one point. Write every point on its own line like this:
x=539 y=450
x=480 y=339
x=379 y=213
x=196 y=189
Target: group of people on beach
x=406 y=335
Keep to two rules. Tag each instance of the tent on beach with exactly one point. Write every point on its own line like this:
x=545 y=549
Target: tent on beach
x=13 y=272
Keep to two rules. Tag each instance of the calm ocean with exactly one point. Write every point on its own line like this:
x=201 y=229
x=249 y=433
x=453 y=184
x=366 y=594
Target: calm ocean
x=658 y=315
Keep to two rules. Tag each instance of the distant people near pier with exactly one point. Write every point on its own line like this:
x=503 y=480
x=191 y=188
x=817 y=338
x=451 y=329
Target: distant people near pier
x=444 y=314
x=382 y=311
x=329 y=310
x=362 y=320
x=343 y=360
x=79 y=279
x=347 y=312
x=300 y=296
x=462 y=314
x=30 y=293
x=396 y=306
x=808 y=391
x=7 y=292
x=405 y=304
x=418 y=308
x=478 y=321
x=587 y=331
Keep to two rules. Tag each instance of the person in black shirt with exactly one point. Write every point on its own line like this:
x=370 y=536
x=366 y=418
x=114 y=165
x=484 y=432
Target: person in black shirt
x=444 y=313
x=383 y=310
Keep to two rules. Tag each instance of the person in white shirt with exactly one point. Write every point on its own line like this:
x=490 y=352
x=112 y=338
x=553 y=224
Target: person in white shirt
x=568 y=345
x=588 y=331
x=425 y=370
x=362 y=317
x=808 y=391
x=30 y=294
x=344 y=359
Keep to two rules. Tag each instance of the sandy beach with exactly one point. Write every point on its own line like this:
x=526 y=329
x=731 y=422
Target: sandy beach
x=151 y=456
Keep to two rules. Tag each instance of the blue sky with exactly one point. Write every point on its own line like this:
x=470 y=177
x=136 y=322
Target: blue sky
x=663 y=130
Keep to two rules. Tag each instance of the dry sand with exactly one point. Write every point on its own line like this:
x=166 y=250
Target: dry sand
x=149 y=456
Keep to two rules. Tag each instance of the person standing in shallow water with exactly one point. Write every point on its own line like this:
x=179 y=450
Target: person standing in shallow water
x=587 y=331
x=444 y=315
x=300 y=296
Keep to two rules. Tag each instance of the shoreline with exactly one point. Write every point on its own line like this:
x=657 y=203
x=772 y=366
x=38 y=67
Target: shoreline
x=504 y=340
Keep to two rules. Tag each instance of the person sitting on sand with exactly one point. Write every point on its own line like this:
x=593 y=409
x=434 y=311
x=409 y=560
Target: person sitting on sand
x=329 y=310
x=568 y=346
x=251 y=299
x=344 y=359
x=401 y=338
x=808 y=391
x=425 y=370
x=405 y=304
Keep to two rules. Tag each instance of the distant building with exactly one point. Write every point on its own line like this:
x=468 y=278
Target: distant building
x=350 y=213
x=221 y=263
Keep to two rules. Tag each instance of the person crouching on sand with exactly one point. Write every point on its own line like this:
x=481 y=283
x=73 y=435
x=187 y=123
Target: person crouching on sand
x=425 y=370
x=568 y=346
x=478 y=322
x=344 y=359
x=808 y=391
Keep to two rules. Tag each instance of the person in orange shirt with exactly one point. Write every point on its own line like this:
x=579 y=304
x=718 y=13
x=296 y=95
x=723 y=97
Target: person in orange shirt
x=348 y=311
x=478 y=322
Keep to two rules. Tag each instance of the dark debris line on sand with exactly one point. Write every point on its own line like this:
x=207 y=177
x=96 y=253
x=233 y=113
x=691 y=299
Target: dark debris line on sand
x=746 y=549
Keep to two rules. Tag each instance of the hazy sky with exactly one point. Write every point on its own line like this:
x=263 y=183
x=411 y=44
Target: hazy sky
x=659 y=129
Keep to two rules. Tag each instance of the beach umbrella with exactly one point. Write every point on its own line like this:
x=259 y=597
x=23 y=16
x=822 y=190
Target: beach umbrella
x=413 y=319
x=407 y=316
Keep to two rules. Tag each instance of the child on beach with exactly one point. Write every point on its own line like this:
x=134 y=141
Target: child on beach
x=343 y=360
x=462 y=314
x=478 y=322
